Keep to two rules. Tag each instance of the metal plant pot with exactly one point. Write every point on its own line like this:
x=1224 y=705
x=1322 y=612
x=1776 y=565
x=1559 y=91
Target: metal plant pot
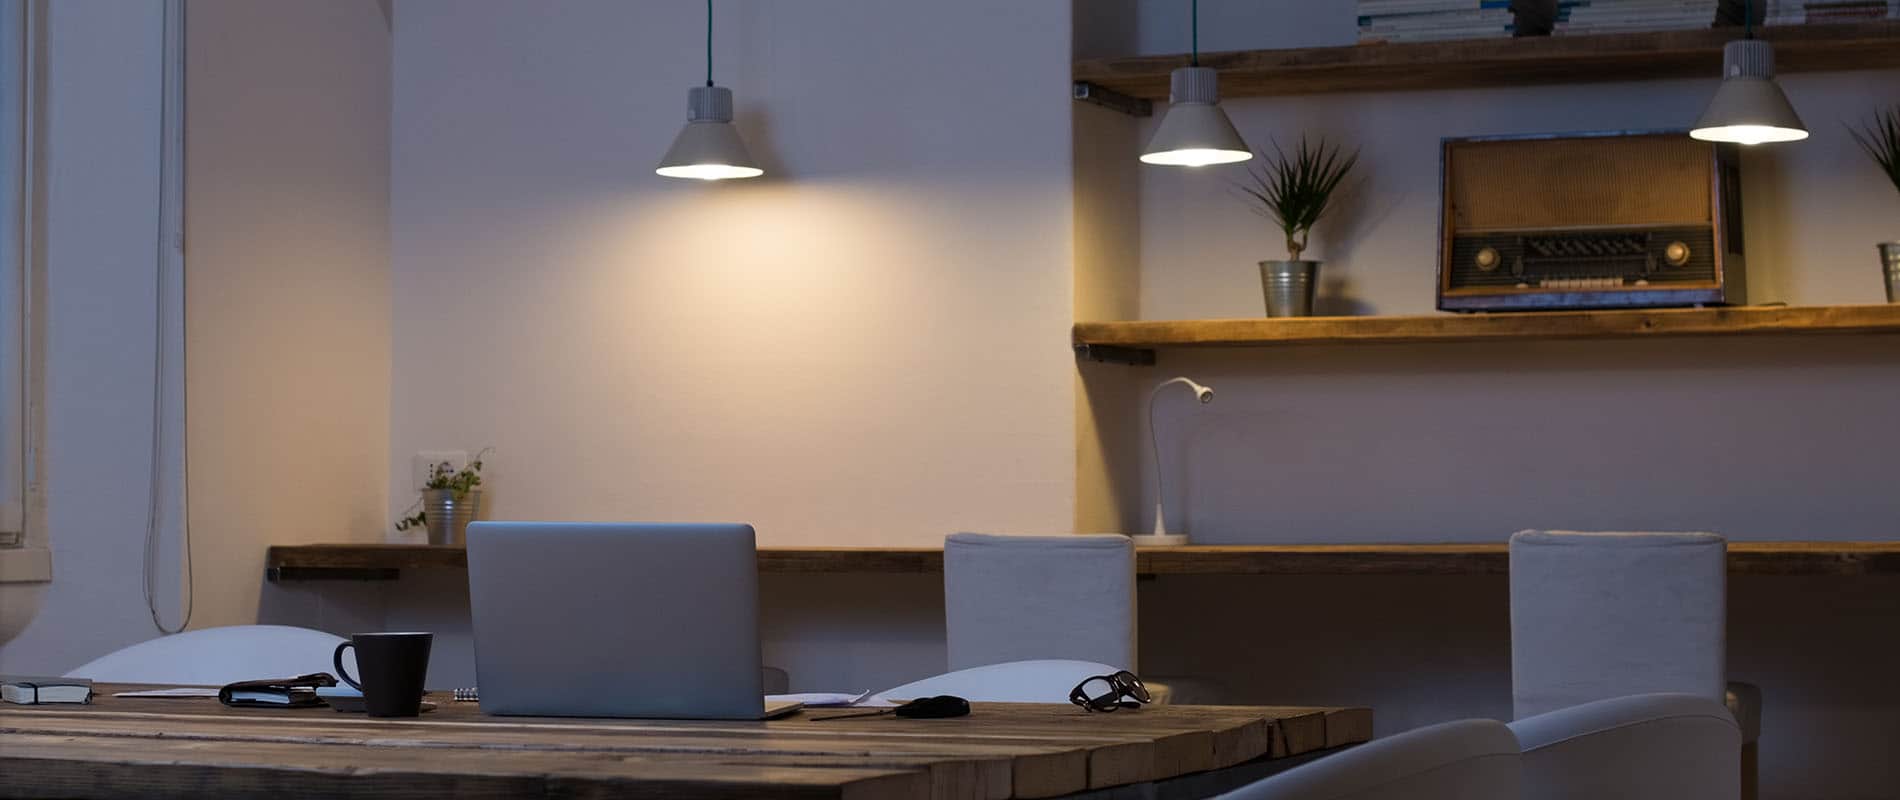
x=1890 y=267
x=448 y=516
x=1289 y=287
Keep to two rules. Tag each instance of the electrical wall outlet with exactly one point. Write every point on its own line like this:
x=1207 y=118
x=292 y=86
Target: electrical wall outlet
x=425 y=463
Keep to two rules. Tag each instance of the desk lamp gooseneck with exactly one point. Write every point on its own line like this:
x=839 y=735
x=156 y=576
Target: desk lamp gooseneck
x=1161 y=535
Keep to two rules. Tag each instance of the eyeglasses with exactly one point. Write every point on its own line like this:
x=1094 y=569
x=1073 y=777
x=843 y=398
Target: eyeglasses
x=1109 y=692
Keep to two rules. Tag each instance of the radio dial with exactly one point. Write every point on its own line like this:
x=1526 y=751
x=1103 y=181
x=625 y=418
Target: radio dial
x=1487 y=259
x=1676 y=254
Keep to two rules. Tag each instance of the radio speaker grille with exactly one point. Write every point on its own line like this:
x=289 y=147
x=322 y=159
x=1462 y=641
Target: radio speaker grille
x=1530 y=184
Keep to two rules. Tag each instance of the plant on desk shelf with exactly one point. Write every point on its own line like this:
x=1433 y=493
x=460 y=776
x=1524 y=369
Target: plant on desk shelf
x=1880 y=137
x=449 y=501
x=1294 y=190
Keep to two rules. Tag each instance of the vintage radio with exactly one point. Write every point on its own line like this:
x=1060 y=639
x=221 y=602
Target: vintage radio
x=1610 y=220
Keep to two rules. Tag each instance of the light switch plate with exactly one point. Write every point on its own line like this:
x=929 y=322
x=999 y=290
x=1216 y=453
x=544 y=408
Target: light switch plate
x=425 y=461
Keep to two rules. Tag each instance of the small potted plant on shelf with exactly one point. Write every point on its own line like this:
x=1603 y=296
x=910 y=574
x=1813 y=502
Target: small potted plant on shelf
x=449 y=502
x=1294 y=192
x=1880 y=137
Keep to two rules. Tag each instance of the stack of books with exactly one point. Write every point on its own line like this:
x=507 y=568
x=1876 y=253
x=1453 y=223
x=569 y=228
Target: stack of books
x=1433 y=20
x=1624 y=16
x=1822 y=12
x=1439 y=20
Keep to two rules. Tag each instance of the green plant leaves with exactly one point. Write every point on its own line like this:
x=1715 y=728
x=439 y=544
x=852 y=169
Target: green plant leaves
x=1880 y=137
x=460 y=482
x=1294 y=191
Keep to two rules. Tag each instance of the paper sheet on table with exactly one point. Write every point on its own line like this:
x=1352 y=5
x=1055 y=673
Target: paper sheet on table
x=830 y=700
x=183 y=691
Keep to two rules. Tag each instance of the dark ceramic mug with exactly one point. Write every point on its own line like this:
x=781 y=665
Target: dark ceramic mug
x=393 y=667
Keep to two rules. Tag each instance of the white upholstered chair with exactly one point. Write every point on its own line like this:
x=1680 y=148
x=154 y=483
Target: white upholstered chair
x=1038 y=681
x=217 y=656
x=1019 y=598
x=1640 y=747
x=1602 y=615
x=1473 y=759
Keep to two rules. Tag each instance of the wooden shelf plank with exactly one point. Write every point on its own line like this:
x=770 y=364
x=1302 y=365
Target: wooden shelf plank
x=1477 y=558
x=1618 y=324
x=1502 y=62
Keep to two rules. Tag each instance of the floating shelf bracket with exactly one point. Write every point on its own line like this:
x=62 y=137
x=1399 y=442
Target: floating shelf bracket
x=1113 y=100
x=1112 y=354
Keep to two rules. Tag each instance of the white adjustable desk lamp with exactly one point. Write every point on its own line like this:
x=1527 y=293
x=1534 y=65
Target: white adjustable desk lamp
x=1161 y=535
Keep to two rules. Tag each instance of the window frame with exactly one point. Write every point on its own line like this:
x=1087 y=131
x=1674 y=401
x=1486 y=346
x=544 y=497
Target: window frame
x=22 y=268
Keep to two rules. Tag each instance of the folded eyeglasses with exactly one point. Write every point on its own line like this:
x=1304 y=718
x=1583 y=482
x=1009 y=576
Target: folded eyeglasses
x=1110 y=692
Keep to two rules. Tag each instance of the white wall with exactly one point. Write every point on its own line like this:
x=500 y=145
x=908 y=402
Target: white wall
x=864 y=347
x=101 y=223
x=1163 y=26
x=1782 y=438
x=289 y=302
x=289 y=311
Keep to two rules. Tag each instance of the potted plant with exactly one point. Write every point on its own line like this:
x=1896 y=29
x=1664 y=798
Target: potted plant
x=449 y=502
x=1880 y=137
x=1294 y=192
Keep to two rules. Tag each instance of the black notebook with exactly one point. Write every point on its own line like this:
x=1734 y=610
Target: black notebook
x=28 y=691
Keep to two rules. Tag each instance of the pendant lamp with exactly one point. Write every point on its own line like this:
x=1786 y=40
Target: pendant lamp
x=709 y=147
x=1195 y=132
x=1749 y=107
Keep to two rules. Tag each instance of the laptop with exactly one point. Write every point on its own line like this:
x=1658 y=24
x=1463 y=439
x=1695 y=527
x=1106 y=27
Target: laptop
x=638 y=620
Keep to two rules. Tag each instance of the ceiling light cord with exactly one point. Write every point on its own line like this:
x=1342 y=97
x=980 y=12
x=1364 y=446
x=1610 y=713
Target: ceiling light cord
x=169 y=253
x=709 y=43
x=1194 y=32
x=1748 y=18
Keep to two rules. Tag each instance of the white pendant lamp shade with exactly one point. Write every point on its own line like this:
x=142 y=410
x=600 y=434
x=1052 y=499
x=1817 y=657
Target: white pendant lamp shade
x=1195 y=132
x=1749 y=107
x=709 y=147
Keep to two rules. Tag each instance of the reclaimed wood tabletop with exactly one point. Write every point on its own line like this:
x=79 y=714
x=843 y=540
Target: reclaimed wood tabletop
x=179 y=747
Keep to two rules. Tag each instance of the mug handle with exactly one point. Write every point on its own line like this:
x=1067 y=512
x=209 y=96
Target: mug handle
x=337 y=661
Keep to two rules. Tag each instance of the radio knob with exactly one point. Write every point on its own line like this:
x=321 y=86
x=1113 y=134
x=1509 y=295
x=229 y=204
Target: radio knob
x=1676 y=254
x=1487 y=259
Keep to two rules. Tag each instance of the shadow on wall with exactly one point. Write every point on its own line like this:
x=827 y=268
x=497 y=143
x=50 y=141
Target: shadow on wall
x=1418 y=649
x=1756 y=438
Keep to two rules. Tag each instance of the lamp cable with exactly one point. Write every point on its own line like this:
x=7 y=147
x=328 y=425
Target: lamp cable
x=170 y=251
x=1194 y=32
x=709 y=81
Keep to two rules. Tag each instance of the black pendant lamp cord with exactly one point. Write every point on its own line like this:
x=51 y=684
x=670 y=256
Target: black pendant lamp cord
x=709 y=43
x=1194 y=32
x=1748 y=18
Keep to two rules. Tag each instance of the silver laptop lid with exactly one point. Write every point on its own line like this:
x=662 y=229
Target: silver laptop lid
x=649 y=620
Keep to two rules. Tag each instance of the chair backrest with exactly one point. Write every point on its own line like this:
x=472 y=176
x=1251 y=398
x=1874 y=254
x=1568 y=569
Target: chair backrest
x=1017 y=598
x=1601 y=615
x=1046 y=681
x=1472 y=759
x=1641 y=747
x=217 y=656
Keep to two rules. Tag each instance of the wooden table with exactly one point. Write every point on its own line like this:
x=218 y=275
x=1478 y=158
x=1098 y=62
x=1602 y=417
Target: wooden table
x=122 y=747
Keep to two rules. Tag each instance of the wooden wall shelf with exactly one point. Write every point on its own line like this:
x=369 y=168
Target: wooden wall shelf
x=1621 y=324
x=1501 y=62
x=376 y=561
